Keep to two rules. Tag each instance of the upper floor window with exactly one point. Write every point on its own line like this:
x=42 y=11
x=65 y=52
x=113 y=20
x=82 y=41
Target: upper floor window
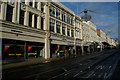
x=72 y=32
x=30 y=3
x=57 y=13
x=63 y=16
x=52 y=25
x=52 y=11
x=42 y=23
x=63 y=29
x=68 y=30
x=9 y=13
x=30 y=19
x=35 y=22
x=21 y=21
x=68 y=19
x=36 y=4
x=58 y=27
x=72 y=21
x=42 y=7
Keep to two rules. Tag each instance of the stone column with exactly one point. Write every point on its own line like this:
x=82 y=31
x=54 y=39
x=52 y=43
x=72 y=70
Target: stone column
x=70 y=32
x=55 y=29
x=46 y=27
x=14 y=17
x=33 y=18
x=33 y=4
x=61 y=29
x=66 y=31
x=18 y=12
x=26 y=18
x=39 y=17
x=3 y=10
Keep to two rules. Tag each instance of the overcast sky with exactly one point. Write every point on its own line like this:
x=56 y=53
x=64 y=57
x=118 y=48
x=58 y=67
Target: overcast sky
x=105 y=18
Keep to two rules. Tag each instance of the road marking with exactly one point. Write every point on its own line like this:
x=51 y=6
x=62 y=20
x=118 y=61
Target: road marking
x=89 y=74
x=76 y=75
x=105 y=75
x=110 y=74
x=64 y=69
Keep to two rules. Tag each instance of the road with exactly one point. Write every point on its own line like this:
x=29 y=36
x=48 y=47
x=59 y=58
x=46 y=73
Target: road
x=93 y=66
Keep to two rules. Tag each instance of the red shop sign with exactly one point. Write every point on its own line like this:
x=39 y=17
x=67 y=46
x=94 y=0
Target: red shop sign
x=29 y=47
x=6 y=47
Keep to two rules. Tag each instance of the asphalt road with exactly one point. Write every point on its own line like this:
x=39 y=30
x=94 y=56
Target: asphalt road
x=93 y=66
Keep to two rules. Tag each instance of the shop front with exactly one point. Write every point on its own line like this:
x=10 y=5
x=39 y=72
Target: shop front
x=78 y=50
x=57 y=50
x=15 y=49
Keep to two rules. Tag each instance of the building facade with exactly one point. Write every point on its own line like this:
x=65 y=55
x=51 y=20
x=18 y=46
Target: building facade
x=39 y=29
x=44 y=29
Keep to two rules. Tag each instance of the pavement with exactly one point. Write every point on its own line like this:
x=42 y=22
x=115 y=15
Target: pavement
x=34 y=61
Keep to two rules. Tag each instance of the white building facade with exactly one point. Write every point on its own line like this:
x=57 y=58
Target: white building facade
x=39 y=29
x=43 y=29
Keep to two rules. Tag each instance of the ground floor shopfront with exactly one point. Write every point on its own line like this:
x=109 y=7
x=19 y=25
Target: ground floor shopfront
x=57 y=50
x=79 y=50
x=21 y=49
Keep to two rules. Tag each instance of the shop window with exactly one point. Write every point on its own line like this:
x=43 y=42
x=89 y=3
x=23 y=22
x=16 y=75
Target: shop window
x=42 y=23
x=63 y=29
x=35 y=22
x=52 y=25
x=21 y=21
x=30 y=19
x=32 y=51
x=58 y=27
x=9 y=13
x=12 y=50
